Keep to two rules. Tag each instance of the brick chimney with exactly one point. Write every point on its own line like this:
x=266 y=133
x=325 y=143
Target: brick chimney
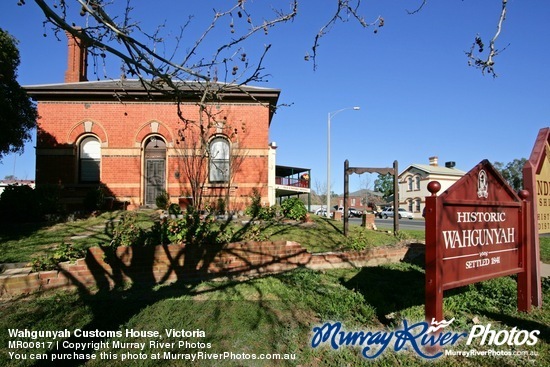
x=77 y=60
x=433 y=161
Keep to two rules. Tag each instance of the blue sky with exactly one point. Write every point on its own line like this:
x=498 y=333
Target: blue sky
x=417 y=95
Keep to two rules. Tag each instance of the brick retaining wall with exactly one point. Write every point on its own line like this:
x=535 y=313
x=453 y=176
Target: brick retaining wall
x=171 y=263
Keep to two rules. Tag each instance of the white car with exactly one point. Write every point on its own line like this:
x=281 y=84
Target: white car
x=322 y=212
x=402 y=213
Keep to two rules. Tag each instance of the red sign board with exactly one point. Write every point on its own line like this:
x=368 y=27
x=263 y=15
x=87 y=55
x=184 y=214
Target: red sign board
x=474 y=231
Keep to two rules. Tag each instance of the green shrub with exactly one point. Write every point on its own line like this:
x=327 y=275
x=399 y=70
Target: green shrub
x=255 y=232
x=22 y=203
x=174 y=209
x=94 y=199
x=158 y=234
x=293 y=208
x=48 y=197
x=162 y=200
x=176 y=230
x=253 y=210
x=127 y=232
x=359 y=241
x=18 y=203
x=220 y=206
x=65 y=252
x=268 y=212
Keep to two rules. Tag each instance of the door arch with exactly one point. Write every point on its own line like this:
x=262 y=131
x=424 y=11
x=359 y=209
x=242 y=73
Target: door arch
x=155 y=168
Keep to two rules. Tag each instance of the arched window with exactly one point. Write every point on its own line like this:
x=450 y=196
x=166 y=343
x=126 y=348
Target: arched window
x=410 y=183
x=219 y=160
x=417 y=180
x=90 y=159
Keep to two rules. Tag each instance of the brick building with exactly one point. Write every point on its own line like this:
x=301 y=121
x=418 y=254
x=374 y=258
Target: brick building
x=137 y=142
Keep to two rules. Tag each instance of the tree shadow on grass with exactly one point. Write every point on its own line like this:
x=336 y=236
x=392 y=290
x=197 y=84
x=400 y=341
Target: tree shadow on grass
x=111 y=310
x=389 y=289
x=130 y=284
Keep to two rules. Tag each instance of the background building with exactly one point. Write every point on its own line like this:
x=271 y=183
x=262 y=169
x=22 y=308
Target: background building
x=413 y=183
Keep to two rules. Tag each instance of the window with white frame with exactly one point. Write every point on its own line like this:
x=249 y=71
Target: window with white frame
x=219 y=160
x=410 y=183
x=417 y=182
x=417 y=205
x=89 y=159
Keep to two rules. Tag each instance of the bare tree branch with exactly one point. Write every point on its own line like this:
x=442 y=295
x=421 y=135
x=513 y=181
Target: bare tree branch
x=343 y=13
x=424 y=2
x=487 y=64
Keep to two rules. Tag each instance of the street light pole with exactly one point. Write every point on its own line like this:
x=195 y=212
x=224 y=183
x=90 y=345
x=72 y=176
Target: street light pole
x=330 y=116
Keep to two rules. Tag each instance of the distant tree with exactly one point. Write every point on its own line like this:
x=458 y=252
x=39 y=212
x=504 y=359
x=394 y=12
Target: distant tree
x=319 y=193
x=17 y=113
x=512 y=172
x=384 y=184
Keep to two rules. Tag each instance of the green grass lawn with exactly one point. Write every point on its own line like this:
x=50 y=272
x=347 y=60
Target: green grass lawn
x=24 y=242
x=276 y=314
x=272 y=314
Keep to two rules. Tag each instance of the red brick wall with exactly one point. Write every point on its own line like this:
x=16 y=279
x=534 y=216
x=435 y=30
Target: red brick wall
x=122 y=128
x=171 y=263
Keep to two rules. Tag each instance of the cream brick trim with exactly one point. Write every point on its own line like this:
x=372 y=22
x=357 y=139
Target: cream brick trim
x=121 y=152
x=124 y=185
x=242 y=152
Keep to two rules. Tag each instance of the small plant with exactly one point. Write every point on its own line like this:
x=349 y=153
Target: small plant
x=43 y=263
x=253 y=210
x=162 y=200
x=402 y=236
x=176 y=230
x=293 y=208
x=220 y=206
x=255 y=233
x=158 y=234
x=359 y=241
x=268 y=212
x=65 y=252
x=174 y=209
x=127 y=232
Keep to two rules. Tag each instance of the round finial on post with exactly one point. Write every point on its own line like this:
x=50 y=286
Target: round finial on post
x=434 y=187
x=523 y=194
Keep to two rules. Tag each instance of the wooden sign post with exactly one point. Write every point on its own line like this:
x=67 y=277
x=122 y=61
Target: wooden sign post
x=476 y=230
x=536 y=179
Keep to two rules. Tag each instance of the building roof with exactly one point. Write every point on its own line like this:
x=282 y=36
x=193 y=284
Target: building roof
x=133 y=88
x=286 y=171
x=365 y=192
x=128 y=90
x=435 y=170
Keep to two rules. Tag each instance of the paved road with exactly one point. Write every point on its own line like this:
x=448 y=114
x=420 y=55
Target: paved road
x=417 y=224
